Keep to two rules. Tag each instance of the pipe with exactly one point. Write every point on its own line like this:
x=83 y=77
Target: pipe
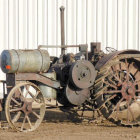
x=62 y=8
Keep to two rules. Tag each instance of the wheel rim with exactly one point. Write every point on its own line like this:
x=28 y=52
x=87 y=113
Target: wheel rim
x=25 y=107
x=119 y=101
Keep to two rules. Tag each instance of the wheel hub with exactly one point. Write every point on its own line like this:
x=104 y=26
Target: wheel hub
x=128 y=90
x=27 y=107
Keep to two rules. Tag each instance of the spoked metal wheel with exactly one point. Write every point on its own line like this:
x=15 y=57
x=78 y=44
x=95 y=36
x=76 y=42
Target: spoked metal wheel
x=118 y=96
x=25 y=107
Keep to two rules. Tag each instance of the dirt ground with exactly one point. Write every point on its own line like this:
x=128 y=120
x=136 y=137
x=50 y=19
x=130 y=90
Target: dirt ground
x=60 y=126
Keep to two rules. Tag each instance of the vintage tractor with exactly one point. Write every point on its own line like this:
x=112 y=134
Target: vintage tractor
x=107 y=83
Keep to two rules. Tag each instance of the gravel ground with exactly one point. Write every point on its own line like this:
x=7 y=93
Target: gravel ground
x=59 y=126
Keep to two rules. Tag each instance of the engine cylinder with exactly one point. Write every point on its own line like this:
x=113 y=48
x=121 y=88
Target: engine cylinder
x=13 y=61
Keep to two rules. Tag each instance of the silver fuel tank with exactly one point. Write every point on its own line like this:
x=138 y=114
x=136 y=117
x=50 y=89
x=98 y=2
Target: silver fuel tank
x=14 y=61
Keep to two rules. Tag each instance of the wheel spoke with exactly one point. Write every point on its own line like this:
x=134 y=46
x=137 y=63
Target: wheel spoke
x=22 y=126
x=117 y=78
x=27 y=88
x=122 y=75
x=16 y=117
x=15 y=101
x=127 y=70
x=29 y=122
x=113 y=91
x=20 y=91
x=110 y=84
x=115 y=74
x=33 y=96
x=21 y=94
x=118 y=104
x=17 y=93
x=112 y=81
x=15 y=110
x=36 y=114
x=110 y=98
x=36 y=94
x=136 y=72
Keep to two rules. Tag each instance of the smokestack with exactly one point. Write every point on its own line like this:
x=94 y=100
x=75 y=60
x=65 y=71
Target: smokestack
x=62 y=8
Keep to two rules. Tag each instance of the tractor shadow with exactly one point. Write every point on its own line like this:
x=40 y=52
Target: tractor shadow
x=56 y=115
x=68 y=115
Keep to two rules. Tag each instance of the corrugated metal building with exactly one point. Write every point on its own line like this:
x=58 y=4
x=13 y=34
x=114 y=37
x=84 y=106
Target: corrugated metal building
x=25 y=24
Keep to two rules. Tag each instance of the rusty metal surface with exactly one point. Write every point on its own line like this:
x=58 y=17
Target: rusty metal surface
x=37 y=77
x=118 y=90
x=104 y=60
x=77 y=97
x=95 y=47
x=82 y=74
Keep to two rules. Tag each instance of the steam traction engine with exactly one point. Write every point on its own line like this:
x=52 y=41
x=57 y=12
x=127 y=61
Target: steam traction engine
x=109 y=83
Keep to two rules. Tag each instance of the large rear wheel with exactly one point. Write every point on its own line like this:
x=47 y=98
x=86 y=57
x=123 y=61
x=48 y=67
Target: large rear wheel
x=117 y=91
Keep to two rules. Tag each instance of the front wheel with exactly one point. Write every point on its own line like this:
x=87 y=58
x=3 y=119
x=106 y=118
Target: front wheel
x=25 y=107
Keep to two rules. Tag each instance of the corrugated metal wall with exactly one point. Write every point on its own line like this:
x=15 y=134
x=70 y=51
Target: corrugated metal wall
x=25 y=24
x=28 y=23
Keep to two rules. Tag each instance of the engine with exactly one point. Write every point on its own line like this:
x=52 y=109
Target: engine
x=76 y=75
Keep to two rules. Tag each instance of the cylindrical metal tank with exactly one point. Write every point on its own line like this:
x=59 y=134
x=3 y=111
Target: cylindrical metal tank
x=48 y=92
x=13 y=61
